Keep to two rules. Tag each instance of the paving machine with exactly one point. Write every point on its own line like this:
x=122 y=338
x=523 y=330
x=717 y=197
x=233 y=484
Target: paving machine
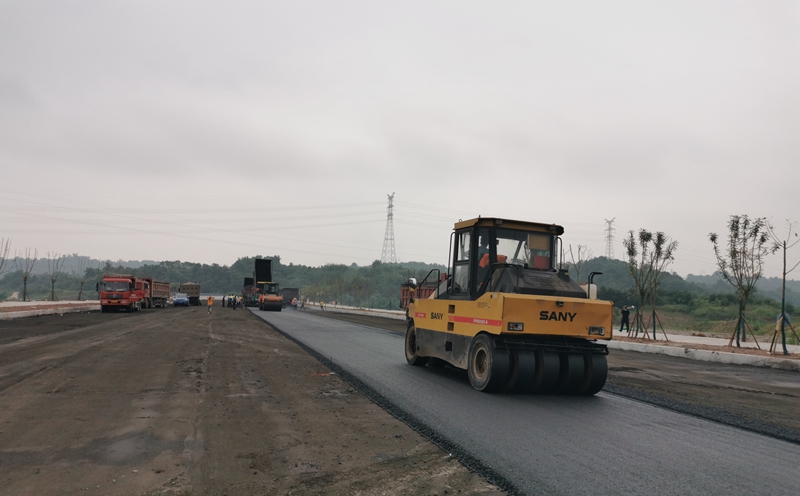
x=509 y=315
x=249 y=292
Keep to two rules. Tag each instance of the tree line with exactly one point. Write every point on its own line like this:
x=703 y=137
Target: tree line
x=643 y=279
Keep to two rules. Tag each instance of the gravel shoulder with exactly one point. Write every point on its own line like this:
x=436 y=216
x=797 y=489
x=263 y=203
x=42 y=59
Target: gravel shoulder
x=177 y=401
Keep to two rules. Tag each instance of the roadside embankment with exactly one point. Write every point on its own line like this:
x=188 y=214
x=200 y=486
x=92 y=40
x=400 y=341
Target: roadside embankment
x=18 y=309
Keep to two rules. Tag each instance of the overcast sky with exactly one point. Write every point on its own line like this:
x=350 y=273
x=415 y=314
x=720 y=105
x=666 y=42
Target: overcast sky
x=206 y=131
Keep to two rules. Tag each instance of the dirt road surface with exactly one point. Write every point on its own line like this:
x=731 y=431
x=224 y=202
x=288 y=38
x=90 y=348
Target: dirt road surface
x=177 y=401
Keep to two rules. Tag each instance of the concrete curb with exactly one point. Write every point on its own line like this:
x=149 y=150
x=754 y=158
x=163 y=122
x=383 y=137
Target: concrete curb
x=708 y=355
x=387 y=314
x=48 y=311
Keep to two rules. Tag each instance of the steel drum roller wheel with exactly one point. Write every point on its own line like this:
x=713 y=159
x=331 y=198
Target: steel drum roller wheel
x=412 y=348
x=488 y=367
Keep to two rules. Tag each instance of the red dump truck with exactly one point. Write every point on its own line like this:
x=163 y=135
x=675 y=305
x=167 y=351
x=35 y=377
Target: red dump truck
x=157 y=293
x=421 y=292
x=131 y=293
x=122 y=292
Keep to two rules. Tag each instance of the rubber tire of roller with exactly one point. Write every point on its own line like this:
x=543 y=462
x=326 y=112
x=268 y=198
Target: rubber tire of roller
x=488 y=366
x=523 y=372
x=596 y=373
x=412 y=348
x=547 y=370
x=570 y=378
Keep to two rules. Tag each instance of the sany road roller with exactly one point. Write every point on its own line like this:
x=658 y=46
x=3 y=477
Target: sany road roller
x=509 y=314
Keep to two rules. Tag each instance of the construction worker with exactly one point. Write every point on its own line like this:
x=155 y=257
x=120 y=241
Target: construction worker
x=210 y=303
x=624 y=322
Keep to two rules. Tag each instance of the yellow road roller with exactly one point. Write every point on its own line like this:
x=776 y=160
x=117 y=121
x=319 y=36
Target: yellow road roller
x=510 y=315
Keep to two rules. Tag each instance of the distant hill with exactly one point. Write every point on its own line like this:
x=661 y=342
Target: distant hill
x=616 y=280
x=768 y=287
x=378 y=283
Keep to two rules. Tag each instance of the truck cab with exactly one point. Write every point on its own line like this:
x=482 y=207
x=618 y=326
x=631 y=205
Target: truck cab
x=122 y=292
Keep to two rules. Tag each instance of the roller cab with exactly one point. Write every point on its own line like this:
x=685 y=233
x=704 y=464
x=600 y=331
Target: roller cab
x=509 y=316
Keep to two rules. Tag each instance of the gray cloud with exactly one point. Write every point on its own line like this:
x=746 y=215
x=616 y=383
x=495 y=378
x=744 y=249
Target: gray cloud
x=668 y=116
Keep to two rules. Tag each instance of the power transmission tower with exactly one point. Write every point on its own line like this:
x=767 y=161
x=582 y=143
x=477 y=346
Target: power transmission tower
x=388 y=254
x=610 y=238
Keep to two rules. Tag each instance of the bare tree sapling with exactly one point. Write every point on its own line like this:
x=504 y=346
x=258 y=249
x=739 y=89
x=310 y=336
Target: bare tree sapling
x=648 y=255
x=25 y=266
x=578 y=261
x=5 y=245
x=54 y=264
x=741 y=262
x=783 y=245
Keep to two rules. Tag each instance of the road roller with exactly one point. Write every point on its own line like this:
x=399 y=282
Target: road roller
x=508 y=312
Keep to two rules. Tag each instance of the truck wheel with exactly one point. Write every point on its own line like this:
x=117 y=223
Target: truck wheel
x=488 y=366
x=412 y=347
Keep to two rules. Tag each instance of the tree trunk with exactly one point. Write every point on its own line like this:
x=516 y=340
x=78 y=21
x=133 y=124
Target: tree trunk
x=783 y=303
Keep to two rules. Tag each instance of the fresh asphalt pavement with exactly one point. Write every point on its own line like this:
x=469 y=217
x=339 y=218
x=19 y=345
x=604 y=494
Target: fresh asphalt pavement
x=604 y=444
